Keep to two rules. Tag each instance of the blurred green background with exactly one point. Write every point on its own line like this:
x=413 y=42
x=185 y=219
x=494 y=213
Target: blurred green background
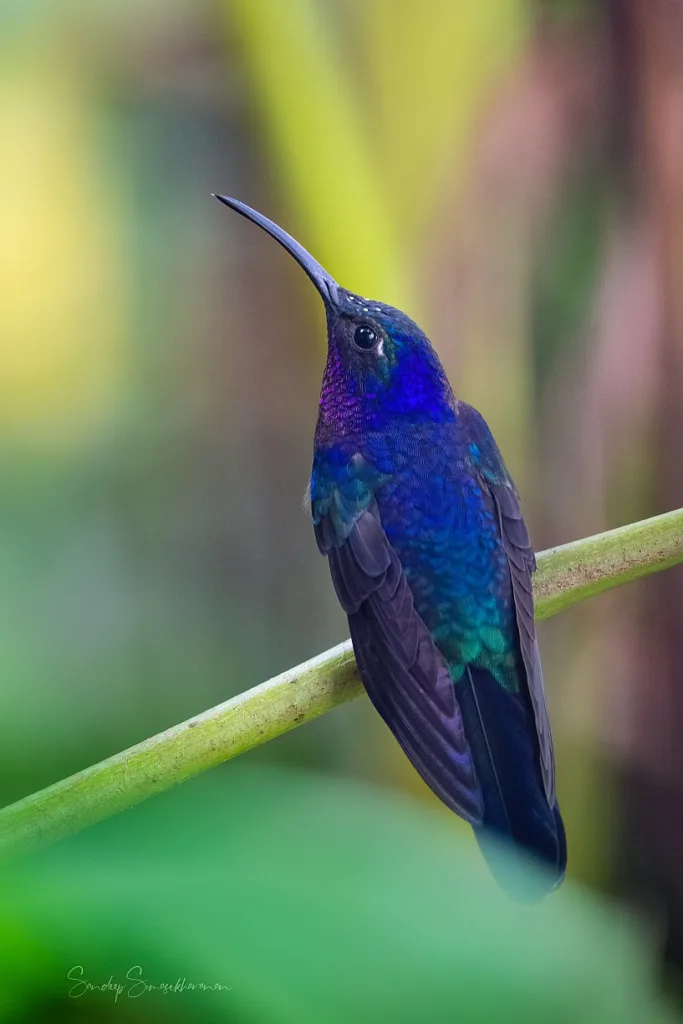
x=509 y=172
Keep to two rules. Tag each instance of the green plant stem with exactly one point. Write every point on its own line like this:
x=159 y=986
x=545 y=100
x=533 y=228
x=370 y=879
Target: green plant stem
x=565 y=576
x=568 y=574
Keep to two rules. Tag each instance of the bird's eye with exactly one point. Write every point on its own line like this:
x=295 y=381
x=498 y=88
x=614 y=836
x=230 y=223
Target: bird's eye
x=365 y=337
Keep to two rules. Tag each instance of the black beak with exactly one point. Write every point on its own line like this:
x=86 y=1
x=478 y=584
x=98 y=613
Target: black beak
x=325 y=284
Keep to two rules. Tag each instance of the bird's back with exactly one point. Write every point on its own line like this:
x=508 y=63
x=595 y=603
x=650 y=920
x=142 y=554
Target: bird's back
x=439 y=512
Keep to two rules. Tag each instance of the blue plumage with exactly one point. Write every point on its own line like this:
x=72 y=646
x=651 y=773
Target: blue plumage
x=431 y=561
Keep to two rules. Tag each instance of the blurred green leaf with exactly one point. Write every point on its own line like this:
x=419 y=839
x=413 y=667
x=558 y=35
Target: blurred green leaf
x=312 y=899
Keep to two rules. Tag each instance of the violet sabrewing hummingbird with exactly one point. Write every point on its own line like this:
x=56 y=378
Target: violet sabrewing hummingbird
x=431 y=561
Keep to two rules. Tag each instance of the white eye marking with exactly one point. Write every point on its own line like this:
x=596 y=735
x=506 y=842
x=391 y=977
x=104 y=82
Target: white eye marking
x=380 y=348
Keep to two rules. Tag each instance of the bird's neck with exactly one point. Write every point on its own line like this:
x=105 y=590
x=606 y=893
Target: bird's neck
x=342 y=410
x=350 y=409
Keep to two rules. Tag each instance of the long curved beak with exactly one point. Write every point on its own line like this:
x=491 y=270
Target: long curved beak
x=325 y=284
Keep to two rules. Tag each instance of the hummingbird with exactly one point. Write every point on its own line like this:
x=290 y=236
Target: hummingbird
x=431 y=561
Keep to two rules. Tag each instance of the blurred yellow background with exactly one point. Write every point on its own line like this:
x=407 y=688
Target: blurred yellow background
x=510 y=173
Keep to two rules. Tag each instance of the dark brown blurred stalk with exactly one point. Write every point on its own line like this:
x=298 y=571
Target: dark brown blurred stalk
x=651 y=32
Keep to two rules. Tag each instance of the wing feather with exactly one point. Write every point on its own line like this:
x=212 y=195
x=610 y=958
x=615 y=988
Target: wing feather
x=522 y=564
x=403 y=671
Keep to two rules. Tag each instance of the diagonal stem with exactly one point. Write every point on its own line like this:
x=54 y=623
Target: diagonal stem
x=566 y=575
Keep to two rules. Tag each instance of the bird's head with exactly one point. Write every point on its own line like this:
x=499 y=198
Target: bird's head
x=380 y=365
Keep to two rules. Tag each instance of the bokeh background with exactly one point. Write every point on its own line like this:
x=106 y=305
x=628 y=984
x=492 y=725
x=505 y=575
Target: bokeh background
x=510 y=173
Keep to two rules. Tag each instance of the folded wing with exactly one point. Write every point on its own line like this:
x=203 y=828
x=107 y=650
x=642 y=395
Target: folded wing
x=403 y=672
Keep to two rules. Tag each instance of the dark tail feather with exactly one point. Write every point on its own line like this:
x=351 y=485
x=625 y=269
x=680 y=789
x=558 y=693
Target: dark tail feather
x=502 y=735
